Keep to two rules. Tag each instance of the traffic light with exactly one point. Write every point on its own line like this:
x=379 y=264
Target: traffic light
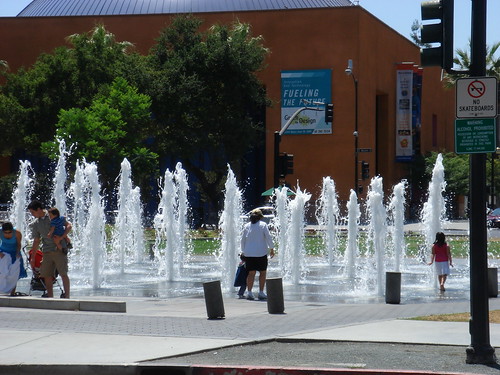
x=365 y=170
x=329 y=112
x=286 y=164
x=440 y=11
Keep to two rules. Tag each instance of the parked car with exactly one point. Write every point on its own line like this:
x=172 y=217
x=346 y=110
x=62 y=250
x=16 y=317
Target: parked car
x=267 y=211
x=493 y=218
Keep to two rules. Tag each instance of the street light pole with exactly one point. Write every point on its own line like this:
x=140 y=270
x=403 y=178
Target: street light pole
x=349 y=72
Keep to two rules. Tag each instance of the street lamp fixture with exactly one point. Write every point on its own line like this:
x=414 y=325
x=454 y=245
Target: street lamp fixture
x=349 y=72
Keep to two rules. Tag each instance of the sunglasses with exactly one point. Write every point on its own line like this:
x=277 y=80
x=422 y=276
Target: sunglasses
x=7 y=232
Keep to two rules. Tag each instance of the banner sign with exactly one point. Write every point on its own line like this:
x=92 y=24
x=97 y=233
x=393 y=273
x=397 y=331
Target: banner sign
x=408 y=111
x=310 y=85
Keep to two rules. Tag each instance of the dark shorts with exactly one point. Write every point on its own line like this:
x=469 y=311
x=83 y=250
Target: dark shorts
x=256 y=263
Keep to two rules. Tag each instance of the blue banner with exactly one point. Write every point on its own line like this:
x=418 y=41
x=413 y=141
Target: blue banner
x=298 y=87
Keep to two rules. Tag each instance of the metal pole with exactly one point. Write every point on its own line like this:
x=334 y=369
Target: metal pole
x=277 y=139
x=355 y=135
x=480 y=350
x=492 y=183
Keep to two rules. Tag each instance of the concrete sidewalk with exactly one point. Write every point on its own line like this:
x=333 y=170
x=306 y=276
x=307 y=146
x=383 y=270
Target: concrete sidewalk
x=35 y=340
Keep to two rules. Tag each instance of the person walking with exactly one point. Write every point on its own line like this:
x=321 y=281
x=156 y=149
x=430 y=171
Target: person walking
x=441 y=256
x=256 y=242
x=53 y=258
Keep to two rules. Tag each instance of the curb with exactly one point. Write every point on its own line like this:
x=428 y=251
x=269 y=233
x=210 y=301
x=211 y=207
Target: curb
x=135 y=369
x=63 y=304
x=255 y=370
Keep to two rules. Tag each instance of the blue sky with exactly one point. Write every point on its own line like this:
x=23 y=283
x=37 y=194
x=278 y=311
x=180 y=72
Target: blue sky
x=398 y=14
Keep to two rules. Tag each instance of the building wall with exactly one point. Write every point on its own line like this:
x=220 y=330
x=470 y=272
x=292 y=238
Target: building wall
x=298 y=40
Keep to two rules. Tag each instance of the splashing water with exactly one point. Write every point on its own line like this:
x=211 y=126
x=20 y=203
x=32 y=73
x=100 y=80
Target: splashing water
x=295 y=257
x=137 y=243
x=230 y=223
x=20 y=197
x=434 y=210
x=327 y=215
x=353 y=215
x=377 y=228
x=60 y=178
x=280 y=225
x=78 y=207
x=166 y=228
x=128 y=237
x=433 y=214
x=91 y=251
x=182 y=186
x=396 y=210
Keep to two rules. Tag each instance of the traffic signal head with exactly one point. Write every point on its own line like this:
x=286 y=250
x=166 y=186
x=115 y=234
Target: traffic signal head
x=439 y=32
x=365 y=170
x=329 y=113
x=286 y=164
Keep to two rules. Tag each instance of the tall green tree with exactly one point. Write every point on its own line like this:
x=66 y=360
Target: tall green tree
x=67 y=78
x=207 y=99
x=108 y=130
x=463 y=61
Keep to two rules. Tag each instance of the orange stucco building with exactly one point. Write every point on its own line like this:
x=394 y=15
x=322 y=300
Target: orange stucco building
x=299 y=39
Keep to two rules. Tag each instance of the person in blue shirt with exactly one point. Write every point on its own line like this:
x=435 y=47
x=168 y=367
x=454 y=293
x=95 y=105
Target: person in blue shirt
x=57 y=229
x=11 y=261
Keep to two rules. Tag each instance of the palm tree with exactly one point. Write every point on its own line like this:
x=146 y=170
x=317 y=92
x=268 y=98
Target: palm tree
x=462 y=59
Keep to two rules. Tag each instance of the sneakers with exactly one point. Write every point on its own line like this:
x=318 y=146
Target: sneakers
x=261 y=296
x=241 y=296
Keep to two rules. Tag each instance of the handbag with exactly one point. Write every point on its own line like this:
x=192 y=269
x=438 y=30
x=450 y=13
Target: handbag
x=241 y=275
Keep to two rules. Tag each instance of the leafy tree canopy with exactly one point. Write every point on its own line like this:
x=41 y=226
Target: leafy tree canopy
x=463 y=61
x=206 y=95
x=205 y=98
x=109 y=130
x=66 y=78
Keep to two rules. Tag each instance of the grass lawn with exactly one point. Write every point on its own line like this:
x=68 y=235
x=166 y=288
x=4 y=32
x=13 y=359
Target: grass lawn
x=206 y=243
x=461 y=317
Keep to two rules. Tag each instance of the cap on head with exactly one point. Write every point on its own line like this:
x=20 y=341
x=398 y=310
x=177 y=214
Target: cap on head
x=255 y=215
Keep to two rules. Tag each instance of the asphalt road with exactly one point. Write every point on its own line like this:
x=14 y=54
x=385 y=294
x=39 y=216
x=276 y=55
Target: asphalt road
x=353 y=355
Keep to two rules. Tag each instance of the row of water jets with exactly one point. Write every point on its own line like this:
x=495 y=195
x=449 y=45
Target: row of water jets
x=98 y=257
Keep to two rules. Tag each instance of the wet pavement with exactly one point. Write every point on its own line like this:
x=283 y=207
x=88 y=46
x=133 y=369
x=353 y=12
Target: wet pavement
x=169 y=332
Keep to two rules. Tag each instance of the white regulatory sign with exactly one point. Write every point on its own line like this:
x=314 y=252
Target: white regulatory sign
x=476 y=97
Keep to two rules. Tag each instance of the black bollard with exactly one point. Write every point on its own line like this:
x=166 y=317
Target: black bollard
x=392 y=287
x=213 y=300
x=492 y=282
x=275 y=303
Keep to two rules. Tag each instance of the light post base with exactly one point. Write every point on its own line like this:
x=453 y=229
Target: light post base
x=481 y=355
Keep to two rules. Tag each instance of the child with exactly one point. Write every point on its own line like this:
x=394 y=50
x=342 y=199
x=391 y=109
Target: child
x=57 y=228
x=441 y=256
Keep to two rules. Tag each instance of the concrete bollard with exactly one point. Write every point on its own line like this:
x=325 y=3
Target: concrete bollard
x=392 y=287
x=275 y=302
x=213 y=300
x=492 y=282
